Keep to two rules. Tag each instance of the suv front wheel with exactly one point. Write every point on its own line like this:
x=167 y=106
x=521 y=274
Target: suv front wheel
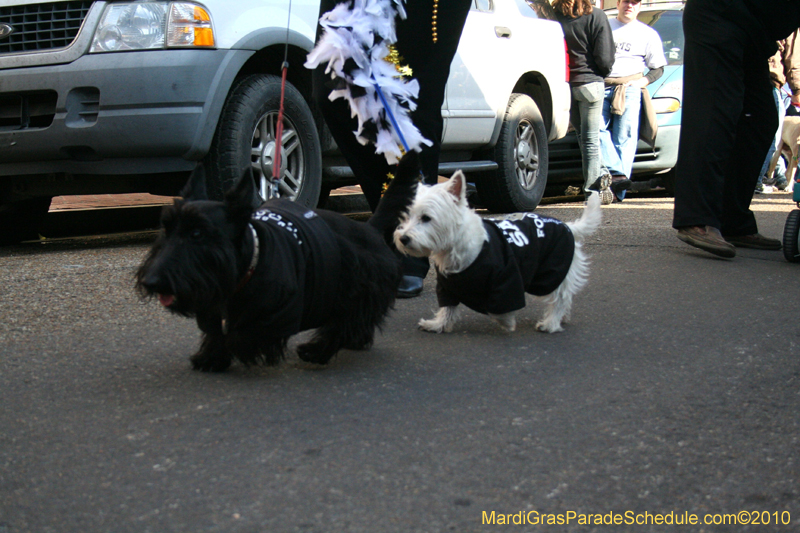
x=521 y=154
x=246 y=135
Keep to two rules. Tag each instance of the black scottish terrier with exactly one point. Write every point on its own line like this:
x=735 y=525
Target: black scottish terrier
x=252 y=278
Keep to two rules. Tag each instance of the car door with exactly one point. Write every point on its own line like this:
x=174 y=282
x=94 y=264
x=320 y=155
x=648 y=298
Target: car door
x=488 y=62
x=468 y=116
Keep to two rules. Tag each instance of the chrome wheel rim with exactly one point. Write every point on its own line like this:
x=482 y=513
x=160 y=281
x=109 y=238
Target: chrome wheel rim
x=526 y=155
x=262 y=157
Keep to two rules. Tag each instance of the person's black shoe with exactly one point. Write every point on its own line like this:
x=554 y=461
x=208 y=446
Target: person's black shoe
x=410 y=287
x=756 y=240
x=620 y=185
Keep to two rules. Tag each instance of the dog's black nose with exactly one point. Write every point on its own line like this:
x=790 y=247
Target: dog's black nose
x=152 y=284
x=405 y=239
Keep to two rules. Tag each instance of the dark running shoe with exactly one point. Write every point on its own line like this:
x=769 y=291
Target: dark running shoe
x=602 y=186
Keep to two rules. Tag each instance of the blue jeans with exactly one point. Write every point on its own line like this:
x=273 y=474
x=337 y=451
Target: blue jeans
x=780 y=105
x=619 y=134
x=585 y=114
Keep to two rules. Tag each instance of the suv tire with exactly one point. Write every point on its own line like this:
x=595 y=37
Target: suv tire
x=521 y=153
x=246 y=136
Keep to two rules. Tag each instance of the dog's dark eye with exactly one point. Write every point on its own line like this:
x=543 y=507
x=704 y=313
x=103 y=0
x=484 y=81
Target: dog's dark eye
x=425 y=218
x=196 y=235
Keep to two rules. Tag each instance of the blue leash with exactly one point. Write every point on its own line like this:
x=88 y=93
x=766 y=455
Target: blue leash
x=389 y=113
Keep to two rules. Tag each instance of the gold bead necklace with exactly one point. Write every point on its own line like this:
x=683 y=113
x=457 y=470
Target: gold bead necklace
x=434 y=17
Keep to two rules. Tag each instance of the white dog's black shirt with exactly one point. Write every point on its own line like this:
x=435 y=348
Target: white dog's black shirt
x=304 y=264
x=532 y=254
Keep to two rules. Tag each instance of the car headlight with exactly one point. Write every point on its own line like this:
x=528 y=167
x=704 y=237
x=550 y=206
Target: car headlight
x=153 y=25
x=666 y=105
x=667 y=98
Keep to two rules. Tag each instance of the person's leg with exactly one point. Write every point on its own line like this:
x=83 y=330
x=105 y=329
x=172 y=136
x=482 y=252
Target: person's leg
x=370 y=169
x=589 y=100
x=626 y=139
x=627 y=130
x=754 y=133
x=430 y=63
x=575 y=122
x=713 y=94
x=608 y=152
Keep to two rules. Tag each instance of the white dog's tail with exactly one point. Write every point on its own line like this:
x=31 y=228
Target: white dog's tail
x=590 y=219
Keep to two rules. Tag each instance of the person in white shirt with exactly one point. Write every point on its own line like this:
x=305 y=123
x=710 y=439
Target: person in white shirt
x=638 y=47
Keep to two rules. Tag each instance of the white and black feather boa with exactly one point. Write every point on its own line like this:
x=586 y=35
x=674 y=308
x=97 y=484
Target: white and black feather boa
x=354 y=44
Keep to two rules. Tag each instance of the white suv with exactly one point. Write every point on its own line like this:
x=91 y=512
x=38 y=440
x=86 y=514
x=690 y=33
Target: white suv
x=127 y=96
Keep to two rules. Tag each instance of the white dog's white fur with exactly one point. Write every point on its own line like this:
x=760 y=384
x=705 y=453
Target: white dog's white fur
x=440 y=225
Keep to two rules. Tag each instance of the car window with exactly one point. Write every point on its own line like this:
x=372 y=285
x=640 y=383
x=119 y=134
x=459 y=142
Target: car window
x=484 y=6
x=668 y=24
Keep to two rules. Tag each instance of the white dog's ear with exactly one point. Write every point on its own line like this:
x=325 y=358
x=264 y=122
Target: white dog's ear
x=457 y=186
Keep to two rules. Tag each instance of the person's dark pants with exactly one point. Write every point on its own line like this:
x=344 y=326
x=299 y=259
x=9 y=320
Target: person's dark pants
x=729 y=118
x=430 y=64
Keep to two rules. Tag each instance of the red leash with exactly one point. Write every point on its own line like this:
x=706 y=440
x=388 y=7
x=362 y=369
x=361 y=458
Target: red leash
x=276 y=161
x=276 y=158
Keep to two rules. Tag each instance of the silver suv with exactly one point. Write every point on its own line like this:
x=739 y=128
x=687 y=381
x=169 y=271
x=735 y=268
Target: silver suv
x=127 y=96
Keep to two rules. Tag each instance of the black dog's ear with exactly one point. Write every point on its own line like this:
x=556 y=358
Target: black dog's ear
x=242 y=197
x=195 y=188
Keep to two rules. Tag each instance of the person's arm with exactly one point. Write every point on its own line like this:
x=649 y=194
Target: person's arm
x=791 y=65
x=654 y=59
x=604 y=47
x=653 y=75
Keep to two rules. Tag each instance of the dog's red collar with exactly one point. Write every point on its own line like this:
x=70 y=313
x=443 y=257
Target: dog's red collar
x=253 y=260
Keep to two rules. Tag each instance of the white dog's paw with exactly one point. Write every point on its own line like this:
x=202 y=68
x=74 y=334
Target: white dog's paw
x=507 y=321
x=433 y=325
x=549 y=326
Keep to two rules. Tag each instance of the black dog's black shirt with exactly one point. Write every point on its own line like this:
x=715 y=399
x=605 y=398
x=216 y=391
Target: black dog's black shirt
x=303 y=264
x=531 y=255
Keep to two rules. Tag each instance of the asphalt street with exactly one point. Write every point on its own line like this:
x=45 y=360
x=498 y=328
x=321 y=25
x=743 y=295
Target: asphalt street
x=673 y=393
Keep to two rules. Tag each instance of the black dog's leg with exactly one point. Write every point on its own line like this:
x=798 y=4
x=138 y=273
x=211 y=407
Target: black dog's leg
x=332 y=337
x=326 y=341
x=213 y=355
x=249 y=347
x=273 y=350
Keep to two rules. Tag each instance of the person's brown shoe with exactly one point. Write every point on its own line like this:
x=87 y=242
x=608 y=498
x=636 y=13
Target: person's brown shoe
x=707 y=238
x=756 y=240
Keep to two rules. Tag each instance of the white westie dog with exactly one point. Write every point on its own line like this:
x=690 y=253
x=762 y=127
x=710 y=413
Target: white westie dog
x=489 y=265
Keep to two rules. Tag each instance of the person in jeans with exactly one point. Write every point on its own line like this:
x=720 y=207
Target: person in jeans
x=728 y=119
x=638 y=46
x=590 y=47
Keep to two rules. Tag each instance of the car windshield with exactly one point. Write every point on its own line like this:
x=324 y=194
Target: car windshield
x=669 y=26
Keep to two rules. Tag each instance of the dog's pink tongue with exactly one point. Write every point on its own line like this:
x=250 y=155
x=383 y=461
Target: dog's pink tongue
x=166 y=299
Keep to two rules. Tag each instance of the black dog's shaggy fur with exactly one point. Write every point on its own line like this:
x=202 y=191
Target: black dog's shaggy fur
x=314 y=269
